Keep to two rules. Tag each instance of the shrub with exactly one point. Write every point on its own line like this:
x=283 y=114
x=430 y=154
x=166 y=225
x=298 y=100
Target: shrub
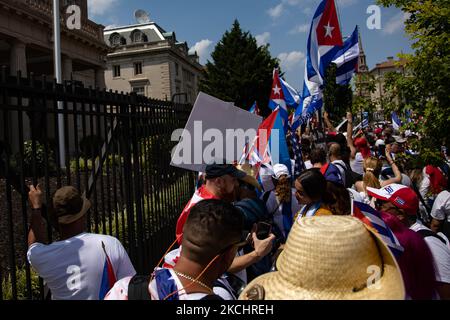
x=21 y=283
x=38 y=157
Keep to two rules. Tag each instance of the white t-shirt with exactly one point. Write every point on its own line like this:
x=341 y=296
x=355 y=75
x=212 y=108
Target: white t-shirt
x=120 y=290
x=73 y=268
x=357 y=164
x=274 y=208
x=308 y=164
x=379 y=142
x=441 y=206
x=440 y=252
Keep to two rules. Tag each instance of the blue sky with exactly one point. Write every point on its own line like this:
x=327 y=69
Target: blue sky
x=284 y=24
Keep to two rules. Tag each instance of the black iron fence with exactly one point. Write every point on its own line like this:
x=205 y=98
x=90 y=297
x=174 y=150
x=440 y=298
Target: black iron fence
x=115 y=147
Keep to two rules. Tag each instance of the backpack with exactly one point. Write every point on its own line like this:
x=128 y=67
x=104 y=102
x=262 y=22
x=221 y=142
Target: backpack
x=428 y=233
x=138 y=289
x=349 y=175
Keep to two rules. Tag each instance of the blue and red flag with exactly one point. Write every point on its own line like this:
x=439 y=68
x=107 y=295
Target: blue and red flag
x=346 y=59
x=269 y=146
x=277 y=99
x=108 y=277
x=372 y=218
x=255 y=109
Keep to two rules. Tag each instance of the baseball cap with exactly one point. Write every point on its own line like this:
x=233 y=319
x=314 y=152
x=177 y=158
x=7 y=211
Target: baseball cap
x=69 y=205
x=219 y=170
x=280 y=170
x=402 y=197
x=399 y=139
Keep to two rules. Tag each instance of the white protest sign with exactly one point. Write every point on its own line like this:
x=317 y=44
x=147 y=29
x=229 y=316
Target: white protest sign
x=215 y=131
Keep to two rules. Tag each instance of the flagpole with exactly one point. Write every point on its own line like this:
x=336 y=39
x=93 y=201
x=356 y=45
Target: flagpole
x=58 y=76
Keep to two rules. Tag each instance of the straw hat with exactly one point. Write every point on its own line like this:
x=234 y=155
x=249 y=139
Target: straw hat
x=331 y=258
x=250 y=177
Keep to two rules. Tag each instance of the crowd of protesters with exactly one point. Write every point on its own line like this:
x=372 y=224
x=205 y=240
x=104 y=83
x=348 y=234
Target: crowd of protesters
x=278 y=237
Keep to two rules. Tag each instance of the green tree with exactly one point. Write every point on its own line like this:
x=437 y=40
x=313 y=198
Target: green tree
x=337 y=98
x=425 y=88
x=362 y=99
x=241 y=71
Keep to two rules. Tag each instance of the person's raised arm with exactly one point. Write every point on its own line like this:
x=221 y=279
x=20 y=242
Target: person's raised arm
x=397 y=173
x=350 y=143
x=328 y=123
x=37 y=229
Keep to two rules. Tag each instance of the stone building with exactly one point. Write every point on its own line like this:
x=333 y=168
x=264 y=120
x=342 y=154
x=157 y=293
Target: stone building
x=146 y=59
x=26 y=41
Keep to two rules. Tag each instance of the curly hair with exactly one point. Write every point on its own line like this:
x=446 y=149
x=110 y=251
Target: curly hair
x=283 y=189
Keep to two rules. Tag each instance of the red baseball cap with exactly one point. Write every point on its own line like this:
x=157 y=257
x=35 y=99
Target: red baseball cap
x=399 y=195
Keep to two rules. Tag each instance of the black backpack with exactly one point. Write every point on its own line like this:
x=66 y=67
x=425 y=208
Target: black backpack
x=428 y=233
x=138 y=289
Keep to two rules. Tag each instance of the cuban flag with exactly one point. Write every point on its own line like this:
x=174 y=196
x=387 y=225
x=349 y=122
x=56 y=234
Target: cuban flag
x=255 y=109
x=108 y=277
x=277 y=99
x=396 y=122
x=270 y=146
x=372 y=218
x=312 y=100
x=324 y=44
x=346 y=59
x=291 y=96
x=365 y=121
x=324 y=41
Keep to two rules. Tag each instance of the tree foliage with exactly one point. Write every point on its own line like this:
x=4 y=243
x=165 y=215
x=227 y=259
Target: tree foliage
x=337 y=98
x=241 y=71
x=425 y=89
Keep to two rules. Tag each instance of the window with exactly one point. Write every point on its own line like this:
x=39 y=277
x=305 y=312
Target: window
x=137 y=68
x=138 y=36
x=188 y=76
x=115 y=40
x=116 y=71
x=140 y=91
x=176 y=69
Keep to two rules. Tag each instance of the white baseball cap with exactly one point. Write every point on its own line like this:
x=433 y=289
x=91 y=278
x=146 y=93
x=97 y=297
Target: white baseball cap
x=280 y=170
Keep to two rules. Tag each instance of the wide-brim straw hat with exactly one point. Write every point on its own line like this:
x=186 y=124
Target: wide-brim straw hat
x=332 y=258
x=250 y=177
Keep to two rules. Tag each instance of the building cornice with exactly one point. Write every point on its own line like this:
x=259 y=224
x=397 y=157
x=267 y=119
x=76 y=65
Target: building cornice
x=140 y=50
x=39 y=12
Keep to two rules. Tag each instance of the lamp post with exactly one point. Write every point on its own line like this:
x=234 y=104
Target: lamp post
x=58 y=76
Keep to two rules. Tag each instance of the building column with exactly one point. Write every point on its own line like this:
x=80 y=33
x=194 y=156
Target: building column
x=18 y=58
x=100 y=78
x=67 y=68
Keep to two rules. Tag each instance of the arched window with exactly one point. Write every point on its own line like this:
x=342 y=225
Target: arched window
x=138 y=36
x=115 y=39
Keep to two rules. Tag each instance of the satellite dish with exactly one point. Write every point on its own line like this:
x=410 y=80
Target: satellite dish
x=141 y=16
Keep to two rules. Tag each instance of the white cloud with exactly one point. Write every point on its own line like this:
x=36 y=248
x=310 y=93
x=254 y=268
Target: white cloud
x=100 y=7
x=111 y=26
x=300 y=29
x=276 y=11
x=307 y=10
x=202 y=48
x=289 y=60
x=396 y=23
x=262 y=39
